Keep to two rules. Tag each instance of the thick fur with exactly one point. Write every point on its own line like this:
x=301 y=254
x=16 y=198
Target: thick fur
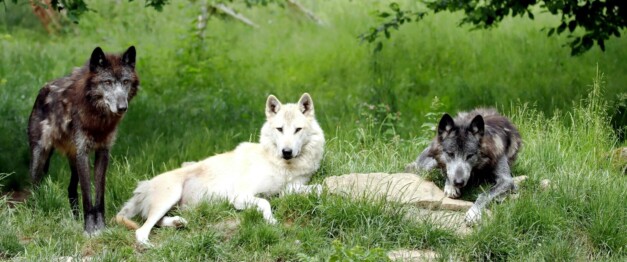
x=289 y=152
x=79 y=114
x=475 y=146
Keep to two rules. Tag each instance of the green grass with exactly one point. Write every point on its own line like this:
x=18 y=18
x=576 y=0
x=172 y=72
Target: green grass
x=201 y=97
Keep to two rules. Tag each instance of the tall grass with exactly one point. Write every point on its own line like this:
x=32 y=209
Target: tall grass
x=201 y=97
x=581 y=215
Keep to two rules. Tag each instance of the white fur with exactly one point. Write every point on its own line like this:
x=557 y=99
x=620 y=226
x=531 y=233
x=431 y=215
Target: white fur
x=473 y=215
x=117 y=97
x=240 y=175
x=451 y=191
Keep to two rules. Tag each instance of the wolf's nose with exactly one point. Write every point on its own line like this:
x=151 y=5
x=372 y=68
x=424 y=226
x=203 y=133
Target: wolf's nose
x=459 y=182
x=287 y=154
x=122 y=109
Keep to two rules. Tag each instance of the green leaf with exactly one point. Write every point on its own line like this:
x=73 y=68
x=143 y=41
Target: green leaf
x=561 y=28
x=601 y=44
x=572 y=25
x=395 y=7
x=378 y=47
x=586 y=41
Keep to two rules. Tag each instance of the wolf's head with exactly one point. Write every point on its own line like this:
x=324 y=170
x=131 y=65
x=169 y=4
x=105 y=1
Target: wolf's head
x=459 y=147
x=288 y=127
x=113 y=81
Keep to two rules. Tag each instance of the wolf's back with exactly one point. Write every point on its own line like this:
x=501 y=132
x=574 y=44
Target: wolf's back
x=501 y=137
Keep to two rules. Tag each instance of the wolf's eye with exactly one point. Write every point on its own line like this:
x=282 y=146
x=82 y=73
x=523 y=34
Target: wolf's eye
x=125 y=82
x=469 y=156
x=280 y=129
x=107 y=82
x=450 y=154
x=297 y=129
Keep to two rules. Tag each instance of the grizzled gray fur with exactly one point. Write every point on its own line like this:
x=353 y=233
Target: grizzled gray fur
x=476 y=146
x=78 y=114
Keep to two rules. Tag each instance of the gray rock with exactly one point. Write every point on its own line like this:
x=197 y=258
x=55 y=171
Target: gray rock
x=404 y=188
x=448 y=219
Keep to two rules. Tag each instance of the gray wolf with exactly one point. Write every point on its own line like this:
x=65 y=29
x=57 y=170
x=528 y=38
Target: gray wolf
x=78 y=114
x=288 y=153
x=478 y=145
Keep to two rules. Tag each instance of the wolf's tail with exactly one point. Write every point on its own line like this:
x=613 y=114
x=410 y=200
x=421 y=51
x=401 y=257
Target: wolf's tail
x=133 y=207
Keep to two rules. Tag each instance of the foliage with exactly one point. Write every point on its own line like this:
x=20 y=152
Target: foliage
x=599 y=19
x=76 y=8
x=202 y=98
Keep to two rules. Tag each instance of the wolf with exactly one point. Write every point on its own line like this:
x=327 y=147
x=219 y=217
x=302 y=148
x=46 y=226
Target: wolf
x=289 y=151
x=79 y=114
x=480 y=145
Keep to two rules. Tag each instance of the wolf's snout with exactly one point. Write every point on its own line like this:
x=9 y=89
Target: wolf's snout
x=122 y=104
x=458 y=182
x=287 y=154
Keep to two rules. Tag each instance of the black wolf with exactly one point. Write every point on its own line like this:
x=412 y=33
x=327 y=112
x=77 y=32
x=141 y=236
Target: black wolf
x=477 y=145
x=78 y=114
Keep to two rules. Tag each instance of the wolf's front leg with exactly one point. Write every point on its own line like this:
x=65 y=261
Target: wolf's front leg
x=298 y=188
x=423 y=163
x=100 y=166
x=82 y=167
x=504 y=185
x=242 y=202
x=72 y=189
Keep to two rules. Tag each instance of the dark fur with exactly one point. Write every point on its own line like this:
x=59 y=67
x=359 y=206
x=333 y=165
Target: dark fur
x=483 y=140
x=72 y=114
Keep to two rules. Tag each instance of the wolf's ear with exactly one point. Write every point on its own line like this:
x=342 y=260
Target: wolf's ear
x=477 y=126
x=445 y=126
x=273 y=105
x=129 y=57
x=97 y=59
x=305 y=104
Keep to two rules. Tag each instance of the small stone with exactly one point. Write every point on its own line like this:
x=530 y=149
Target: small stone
x=545 y=183
x=519 y=179
x=403 y=188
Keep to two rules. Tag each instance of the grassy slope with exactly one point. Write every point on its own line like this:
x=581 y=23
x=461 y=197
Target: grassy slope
x=199 y=98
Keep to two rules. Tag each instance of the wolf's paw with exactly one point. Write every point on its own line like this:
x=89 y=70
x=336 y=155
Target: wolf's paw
x=473 y=216
x=142 y=237
x=411 y=168
x=93 y=233
x=188 y=163
x=271 y=221
x=316 y=189
x=175 y=221
x=451 y=191
x=146 y=244
x=181 y=222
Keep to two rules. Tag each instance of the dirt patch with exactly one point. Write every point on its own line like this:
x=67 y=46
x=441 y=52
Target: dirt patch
x=16 y=197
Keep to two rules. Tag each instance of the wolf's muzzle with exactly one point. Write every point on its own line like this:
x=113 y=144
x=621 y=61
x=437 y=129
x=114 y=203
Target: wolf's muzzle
x=287 y=154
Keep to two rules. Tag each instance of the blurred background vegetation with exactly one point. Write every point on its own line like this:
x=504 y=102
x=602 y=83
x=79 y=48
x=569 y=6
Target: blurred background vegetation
x=203 y=91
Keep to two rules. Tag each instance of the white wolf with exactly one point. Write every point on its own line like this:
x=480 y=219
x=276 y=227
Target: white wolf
x=290 y=151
